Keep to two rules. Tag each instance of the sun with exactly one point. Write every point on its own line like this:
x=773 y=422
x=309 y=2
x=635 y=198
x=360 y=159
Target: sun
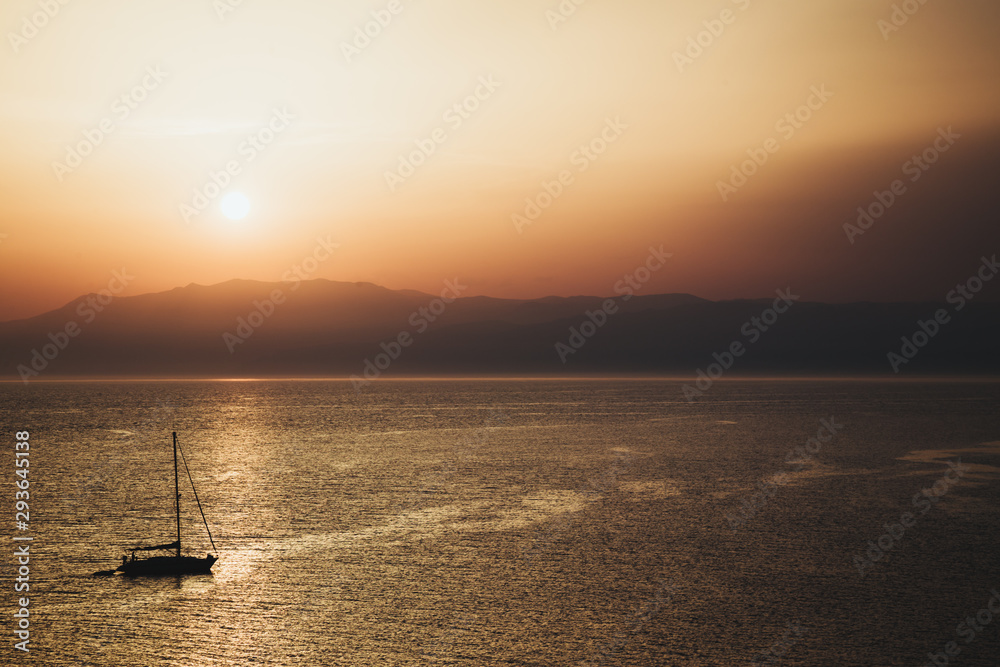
x=235 y=206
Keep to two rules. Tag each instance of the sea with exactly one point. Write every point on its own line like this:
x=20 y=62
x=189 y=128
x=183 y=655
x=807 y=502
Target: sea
x=508 y=522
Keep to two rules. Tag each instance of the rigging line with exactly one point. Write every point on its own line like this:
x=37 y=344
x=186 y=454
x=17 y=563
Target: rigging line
x=188 y=470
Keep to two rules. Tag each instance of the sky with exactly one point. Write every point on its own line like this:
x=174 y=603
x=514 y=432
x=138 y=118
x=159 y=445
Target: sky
x=525 y=148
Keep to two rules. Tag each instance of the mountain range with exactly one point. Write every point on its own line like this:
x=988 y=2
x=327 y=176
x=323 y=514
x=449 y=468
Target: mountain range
x=321 y=328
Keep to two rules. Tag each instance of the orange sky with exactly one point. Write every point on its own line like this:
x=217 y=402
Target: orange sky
x=174 y=91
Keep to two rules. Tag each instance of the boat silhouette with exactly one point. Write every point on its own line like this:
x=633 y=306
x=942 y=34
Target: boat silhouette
x=176 y=564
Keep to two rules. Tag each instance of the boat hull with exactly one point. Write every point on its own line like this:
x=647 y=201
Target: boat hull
x=165 y=566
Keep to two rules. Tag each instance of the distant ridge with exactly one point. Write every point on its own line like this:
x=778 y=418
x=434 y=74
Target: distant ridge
x=325 y=328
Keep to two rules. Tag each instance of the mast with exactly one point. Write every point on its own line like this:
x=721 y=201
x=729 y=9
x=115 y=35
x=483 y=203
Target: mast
x=177 y=499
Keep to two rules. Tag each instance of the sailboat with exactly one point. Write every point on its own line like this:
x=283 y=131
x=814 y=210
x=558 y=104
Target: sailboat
x=177 y=563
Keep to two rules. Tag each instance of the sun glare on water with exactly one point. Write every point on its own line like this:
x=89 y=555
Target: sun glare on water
x=235 y=206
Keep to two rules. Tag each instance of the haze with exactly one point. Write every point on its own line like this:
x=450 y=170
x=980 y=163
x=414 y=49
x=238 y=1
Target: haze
x=339 y=119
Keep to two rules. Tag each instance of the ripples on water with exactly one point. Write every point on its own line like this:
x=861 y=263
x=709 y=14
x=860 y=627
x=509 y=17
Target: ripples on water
x=510 y=523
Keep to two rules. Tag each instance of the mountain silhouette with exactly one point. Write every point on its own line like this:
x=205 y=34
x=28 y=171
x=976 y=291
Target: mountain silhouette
x=321 y=328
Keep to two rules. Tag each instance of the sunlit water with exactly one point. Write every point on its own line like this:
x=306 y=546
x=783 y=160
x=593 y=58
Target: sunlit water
x=510 y=523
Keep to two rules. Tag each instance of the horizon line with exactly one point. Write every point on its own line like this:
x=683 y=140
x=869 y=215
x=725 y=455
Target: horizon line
x=517 y=378
x=459 y=298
